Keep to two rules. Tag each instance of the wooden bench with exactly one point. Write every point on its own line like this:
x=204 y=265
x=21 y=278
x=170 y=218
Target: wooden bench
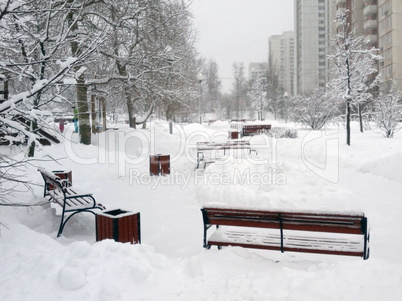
x=249 y=130
x=212 y=146
x=61 y=192
x=293 y=231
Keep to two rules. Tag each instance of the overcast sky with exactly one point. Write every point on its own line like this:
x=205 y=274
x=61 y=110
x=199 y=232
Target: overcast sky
x=237 y=31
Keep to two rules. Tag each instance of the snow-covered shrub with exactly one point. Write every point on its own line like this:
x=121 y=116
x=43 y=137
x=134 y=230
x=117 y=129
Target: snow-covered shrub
x=389 y=113
x=279 y=132
x=313 y=110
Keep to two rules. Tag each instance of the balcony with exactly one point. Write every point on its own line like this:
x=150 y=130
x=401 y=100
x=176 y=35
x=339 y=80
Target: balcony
x=370 y=10
x=370 y=24
x=370 y=39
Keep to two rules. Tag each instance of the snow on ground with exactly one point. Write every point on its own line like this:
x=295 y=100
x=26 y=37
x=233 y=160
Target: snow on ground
x=315 y=171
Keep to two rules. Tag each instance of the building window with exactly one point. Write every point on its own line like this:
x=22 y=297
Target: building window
x=385 y=10
x=389 y=71
x=388 y=54
x=389 y=38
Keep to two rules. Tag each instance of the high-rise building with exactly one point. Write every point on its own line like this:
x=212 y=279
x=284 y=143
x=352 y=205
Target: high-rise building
x=274 y=51
x=281 y=49
x=389 y=14
x=313 y=19
x=355 y=15
x=256 y=70
x=380 y=21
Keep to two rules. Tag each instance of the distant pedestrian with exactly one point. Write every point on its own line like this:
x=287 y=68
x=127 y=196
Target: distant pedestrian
x=61 y=125
x=75 y=119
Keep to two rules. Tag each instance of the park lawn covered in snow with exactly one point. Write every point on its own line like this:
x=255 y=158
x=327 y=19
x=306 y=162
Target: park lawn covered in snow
x=315 y=171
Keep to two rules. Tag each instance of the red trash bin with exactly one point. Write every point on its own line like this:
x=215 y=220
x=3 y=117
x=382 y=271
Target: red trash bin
x=159 y=165
x=120 y=225
x=233 y=134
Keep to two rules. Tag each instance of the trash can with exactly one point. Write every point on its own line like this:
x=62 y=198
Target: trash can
x=159 y=165
x=233 y=134
x=120 y=225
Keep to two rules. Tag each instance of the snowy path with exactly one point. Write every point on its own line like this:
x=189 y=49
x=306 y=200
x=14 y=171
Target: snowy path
x=171 y=263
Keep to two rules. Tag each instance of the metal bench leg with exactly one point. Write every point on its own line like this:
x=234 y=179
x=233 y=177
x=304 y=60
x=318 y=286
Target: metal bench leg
x=63 y=223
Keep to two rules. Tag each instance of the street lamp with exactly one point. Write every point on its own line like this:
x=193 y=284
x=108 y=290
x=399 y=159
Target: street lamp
x=285 y=95
x=200 y=79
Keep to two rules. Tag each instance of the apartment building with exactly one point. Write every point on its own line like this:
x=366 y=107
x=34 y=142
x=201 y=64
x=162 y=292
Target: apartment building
x=274 y=50
x=281 y=49
x=380 y=21
x=390 y=42
x=355 y=17
x=256 y=70
x=313 y=23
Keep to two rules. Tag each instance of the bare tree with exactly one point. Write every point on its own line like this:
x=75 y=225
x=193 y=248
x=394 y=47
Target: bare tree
x=33 y=42
x=258 y=95
x=273 y=87
x=240 y=88
x=355 y=67
x=149 y=58
x=211 y=86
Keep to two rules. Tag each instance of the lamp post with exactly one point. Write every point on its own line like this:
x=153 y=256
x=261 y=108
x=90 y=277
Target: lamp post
x=200 y=78
x=285 y=95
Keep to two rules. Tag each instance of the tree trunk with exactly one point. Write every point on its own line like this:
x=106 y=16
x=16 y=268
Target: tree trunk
x=93 y=114
x=130 y=108
x=31 y=149
x=81 y=88
x=83 y=112
x=348 y=104
x=348 y=122
x=361 y=118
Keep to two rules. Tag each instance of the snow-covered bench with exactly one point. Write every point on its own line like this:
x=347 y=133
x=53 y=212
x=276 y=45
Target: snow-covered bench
x=340 y=233
x=225 y=146
x=61 y=192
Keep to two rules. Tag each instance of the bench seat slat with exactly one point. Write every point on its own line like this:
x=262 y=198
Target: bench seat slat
x=73 y=201
x=74 y=204
x=312 y=244
x=315 y=226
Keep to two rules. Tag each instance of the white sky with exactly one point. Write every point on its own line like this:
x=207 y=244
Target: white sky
x=237 y=31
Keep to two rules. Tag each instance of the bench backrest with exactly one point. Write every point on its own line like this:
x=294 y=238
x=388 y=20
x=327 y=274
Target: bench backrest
x=303 y=221
x=249 y=129
x=228 y=145
x=51 y=181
